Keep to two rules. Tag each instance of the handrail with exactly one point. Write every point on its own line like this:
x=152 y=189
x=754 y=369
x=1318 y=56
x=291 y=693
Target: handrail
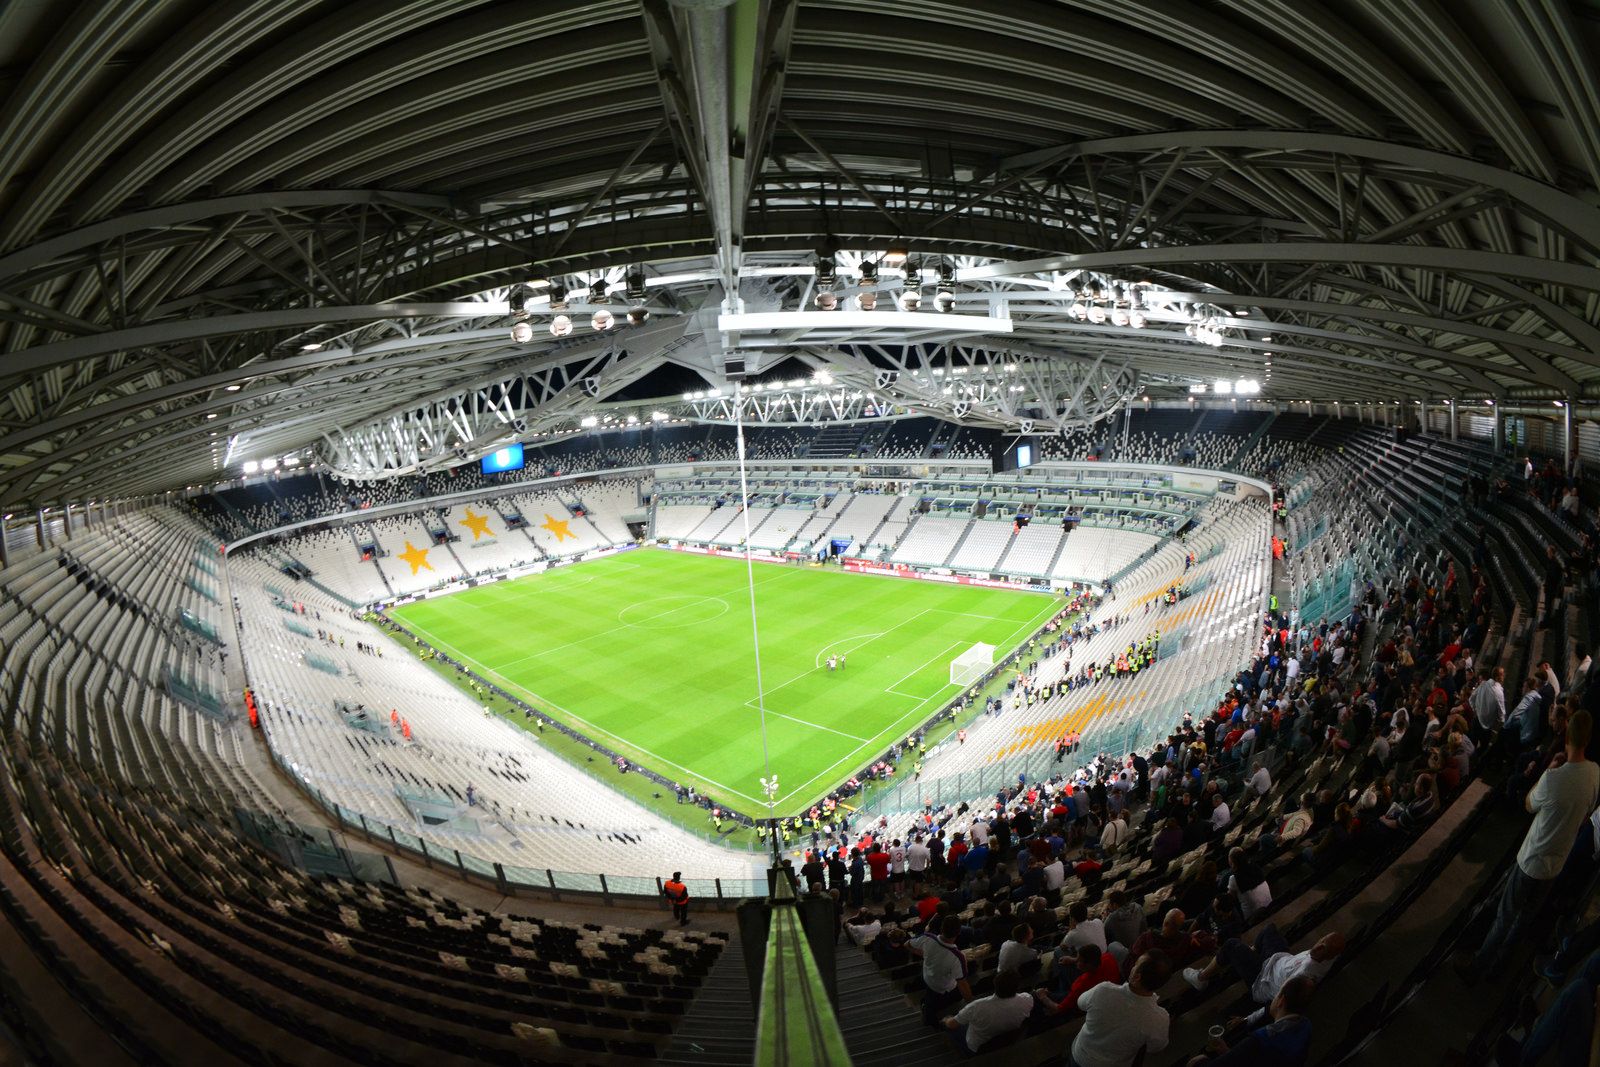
x=796 y=1024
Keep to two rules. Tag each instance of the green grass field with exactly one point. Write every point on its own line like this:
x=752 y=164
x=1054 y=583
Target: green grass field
x=649 y=653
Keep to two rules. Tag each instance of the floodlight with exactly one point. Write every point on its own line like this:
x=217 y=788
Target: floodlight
x=826 y=301
x=869 y=272
x=635 y=285
x=827 y=270
x=597 y=291
x=909 y=299
x=522 y=332
x=944 y=300
x=560 y=326
x=866 y=300
x=638 y=316
x=603 y=320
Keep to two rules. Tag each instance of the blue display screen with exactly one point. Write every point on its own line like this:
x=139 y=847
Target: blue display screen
x=508 y=458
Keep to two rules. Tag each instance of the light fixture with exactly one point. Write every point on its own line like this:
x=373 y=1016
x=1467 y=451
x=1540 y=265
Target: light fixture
x=910 y=298
x=869 y=272
x=560 y=326
x=251 y=466
x=603 y=320
x=311 y=346
x=597 y=291
x=827 y=270
x=235 y=387
x=866 y=300
x=826 y=301
x=522 y=332
x=213 y=414
x=589 y=422
x=1097 y=314
x=558 y=297
x=895 y=256
x=638 y=316
x=634 y=286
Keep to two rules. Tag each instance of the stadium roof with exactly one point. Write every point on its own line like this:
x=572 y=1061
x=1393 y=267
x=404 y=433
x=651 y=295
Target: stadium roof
x=257 y=226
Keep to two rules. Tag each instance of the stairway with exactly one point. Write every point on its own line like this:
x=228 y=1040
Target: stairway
x=836 y=442
x=882 y=1026
x=720 y=1026
x=956 y=548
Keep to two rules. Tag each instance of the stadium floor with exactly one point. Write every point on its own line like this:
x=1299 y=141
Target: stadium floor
x=650 y=653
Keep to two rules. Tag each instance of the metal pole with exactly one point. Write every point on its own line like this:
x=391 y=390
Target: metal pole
x=1566 y=436
x=44 y=536
x=1450 y=410
x=1499 y=430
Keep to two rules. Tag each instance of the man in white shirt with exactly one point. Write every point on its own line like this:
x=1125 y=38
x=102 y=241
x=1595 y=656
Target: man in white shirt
x=1269 y=964
x=1111 y=837
x=1580 y=673
x=979 y=833
x=917 y=858
x=944 y=970
x=1260 y=783
x=1489 y=703
x=1082 y=930
x=1018 y=950
x=1220 y=815
x=987 y=1018
x=897 y=866
x=1119 y=1020
x=1055 y=874
x=1562 y=798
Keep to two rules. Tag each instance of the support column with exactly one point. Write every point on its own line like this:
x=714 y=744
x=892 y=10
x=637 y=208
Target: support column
x=66 y=520
x=1566 y=437
x=44 y=534
x=1499 y=430
x=1450 y=410
x=5 y=545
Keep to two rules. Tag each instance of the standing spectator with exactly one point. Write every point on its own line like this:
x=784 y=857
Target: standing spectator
x=944 y=970
x=1120 y=1020
x=1560 y=800
x=677 y=895
x=878 y=860
x=1489 y=707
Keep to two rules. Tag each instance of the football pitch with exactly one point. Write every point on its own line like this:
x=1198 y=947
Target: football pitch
x=649 y=652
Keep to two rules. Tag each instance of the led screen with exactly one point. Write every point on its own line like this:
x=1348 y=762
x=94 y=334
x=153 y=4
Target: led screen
x=508 y=458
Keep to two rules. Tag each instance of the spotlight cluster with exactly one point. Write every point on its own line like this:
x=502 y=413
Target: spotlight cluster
x=526 y=303
x=1100 y=301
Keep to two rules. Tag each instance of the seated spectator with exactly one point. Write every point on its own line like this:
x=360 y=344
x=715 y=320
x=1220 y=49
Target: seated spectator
x=1412 y=815
x=1173 y=939
x=1284 y=1041
x=1267 y=966
x=987 y=1018
x=1017 y=953
x=1567 y=1026
x=862 y=927
x=1122 y=1019
x=1124 y=919
x=1248 y=882
x=1093 y=967
x=1220 y=922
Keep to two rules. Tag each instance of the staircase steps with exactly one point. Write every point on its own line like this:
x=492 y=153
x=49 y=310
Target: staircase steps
x=882 y=1026
x=719 y=1029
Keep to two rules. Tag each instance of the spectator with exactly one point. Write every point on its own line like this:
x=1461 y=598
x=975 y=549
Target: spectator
x=1093 y=968
x=987 y=1018
x=1220 y=816
x=1172 y=940
x=1561 y=799
x=1124 y=919
x=1568 y=1025
x=1260 y=783
x=1285 y=1041
x=1017 y=953
x=1268 y=965
x=1248 y=882
x=944 y=970
x=1120 y=1020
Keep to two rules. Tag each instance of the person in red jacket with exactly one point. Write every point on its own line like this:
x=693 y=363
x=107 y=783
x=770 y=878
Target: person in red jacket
x=878 y=860
x=1094 y=967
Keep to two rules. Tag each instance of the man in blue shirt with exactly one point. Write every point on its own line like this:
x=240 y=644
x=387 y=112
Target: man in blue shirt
x=1285 y=1040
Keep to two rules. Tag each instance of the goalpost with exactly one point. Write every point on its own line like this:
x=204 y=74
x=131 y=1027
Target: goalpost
x=971 y=665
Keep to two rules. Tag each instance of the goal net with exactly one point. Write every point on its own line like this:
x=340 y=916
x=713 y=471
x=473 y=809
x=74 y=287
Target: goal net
x=971 y=665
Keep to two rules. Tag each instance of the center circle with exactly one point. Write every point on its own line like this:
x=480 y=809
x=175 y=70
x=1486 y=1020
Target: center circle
x=666 y=612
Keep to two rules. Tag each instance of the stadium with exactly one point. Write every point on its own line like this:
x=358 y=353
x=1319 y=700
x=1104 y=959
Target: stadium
x=753 y=531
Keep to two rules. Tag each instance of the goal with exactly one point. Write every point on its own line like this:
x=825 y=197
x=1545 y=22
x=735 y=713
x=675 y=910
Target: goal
x=971 y=665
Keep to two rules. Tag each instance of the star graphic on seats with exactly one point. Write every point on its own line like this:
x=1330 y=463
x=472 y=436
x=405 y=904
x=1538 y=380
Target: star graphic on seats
x=478 y=524
x=558 y=527
x=417 y=557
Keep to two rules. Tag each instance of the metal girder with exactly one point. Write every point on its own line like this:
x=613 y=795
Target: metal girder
x=1566 y=212
x=174 y=331
x=1011 y=388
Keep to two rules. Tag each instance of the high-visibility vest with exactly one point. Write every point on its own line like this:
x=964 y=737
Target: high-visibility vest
x=676 y=892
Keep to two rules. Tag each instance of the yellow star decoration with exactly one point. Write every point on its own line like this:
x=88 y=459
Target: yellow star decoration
x=478 y=524
x=558 y=527
x=417 y=557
